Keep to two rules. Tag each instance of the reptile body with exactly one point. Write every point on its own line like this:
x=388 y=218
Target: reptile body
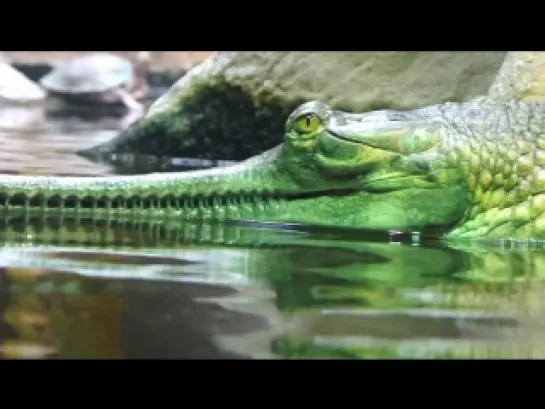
x=473 y=169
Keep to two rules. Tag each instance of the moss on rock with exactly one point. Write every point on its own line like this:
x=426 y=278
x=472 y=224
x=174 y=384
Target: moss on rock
x=217 y=121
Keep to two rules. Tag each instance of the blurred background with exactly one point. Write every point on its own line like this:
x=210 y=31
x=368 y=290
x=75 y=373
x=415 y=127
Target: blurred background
x=55 y=103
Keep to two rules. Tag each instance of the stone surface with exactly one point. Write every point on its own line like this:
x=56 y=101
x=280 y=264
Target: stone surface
x=234 y=104
x=164 y=69
x=522 y=76
x=16 y=88
x=161 y=60
x=353 y=81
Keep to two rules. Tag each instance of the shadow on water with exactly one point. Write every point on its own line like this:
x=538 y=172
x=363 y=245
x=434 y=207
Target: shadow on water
x=246 y=290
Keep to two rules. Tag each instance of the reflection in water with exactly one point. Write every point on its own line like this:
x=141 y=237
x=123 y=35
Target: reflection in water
x=51 y=151
x=262 y=291
x=60 y=316
x=63 y=315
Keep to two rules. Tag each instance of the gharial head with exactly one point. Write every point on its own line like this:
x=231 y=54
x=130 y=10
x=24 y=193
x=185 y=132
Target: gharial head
x=379 y=151
x=385 y=168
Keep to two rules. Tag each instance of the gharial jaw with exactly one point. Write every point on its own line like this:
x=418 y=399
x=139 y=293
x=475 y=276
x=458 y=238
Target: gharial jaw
x=260 y=188
x=150 y=196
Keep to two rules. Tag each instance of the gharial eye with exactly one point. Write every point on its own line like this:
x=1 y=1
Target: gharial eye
x=307 y=123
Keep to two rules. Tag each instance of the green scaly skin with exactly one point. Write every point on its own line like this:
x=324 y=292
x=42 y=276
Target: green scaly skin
x=464 y=170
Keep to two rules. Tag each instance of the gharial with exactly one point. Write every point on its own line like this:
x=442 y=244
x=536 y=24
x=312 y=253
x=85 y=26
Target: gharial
x=473 y=169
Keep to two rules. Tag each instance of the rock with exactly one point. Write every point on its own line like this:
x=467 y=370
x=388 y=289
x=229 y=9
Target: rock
x=165 y=66
x=234 y=104
x=21 y=118
x=21 y=101
x=15 y=87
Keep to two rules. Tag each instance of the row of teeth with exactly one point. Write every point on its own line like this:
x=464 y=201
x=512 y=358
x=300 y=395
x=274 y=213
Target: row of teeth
x=155 y=202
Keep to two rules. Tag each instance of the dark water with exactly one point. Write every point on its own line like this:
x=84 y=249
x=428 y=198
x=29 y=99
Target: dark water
x=250 y=290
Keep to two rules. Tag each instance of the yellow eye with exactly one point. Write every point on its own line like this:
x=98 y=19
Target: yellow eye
x=307 y=123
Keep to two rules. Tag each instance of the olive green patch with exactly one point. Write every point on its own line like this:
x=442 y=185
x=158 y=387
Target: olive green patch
x=217 y=121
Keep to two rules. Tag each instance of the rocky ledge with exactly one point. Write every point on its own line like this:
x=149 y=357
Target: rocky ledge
x=234 y=104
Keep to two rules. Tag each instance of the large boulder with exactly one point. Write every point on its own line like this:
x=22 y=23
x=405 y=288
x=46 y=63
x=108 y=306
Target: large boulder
x=234 y=104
